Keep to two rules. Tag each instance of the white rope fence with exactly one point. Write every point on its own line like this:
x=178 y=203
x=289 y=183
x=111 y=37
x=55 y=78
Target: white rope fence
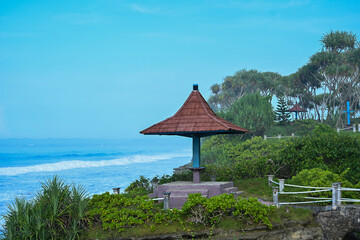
x=335 y=188
x=279 y=136
x=349 y=128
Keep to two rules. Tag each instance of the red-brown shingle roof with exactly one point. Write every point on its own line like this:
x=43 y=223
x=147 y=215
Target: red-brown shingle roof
x=194 y=117
x=296 y=108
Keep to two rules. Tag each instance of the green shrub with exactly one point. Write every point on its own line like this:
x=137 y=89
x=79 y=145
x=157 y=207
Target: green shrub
x=238 y=160
x=298 y=127
x=57 y=212
x=323 y=178
x=118 y=212
x=139 y=186
x=324 y=148
x=210 y=211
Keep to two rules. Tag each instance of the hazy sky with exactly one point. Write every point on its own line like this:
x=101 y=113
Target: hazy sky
x=108 y=69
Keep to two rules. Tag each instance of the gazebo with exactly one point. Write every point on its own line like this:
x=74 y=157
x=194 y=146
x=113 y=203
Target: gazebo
x=195 y=119
x=296 y=108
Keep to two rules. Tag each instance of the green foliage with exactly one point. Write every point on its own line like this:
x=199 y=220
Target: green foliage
x=338 y=41
x=57 y=212
x=252 y=111
x=298 y=127
x=237 y=160
x=255 y=187
x=118 y=212
x=317 y=177
x=324 y=149
x=210 y=211
x=282 y=114
x=242 y=82
x=139 y=186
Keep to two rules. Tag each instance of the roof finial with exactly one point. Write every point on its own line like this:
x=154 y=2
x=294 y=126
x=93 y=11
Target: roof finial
x=195 y=87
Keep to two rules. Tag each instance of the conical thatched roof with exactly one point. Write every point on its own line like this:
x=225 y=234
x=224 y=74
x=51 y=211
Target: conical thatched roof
x=195 y=117
x=296 y=108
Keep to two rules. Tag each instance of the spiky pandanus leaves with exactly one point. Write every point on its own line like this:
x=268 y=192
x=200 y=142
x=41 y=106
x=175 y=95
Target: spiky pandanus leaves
x=57 y=212
x=338 y=41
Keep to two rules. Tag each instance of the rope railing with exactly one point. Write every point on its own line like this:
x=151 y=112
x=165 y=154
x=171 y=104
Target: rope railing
x=350 y=189
x=316 y=198
x=335 y=188
x=349 y=200
x=279 y=136
x=294 y=203
x=304 y=192
x=353 y=127
x=299 y=186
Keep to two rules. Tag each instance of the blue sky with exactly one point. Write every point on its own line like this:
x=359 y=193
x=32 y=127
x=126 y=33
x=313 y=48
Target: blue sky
x=108 y=69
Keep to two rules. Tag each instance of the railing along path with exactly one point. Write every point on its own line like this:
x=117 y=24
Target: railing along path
x=335 y=188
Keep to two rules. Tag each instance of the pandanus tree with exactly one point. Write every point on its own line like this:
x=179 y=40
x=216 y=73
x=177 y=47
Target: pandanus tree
x=337 y=68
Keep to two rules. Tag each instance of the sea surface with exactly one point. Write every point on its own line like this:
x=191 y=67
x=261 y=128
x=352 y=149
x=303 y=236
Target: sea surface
x=97 y=164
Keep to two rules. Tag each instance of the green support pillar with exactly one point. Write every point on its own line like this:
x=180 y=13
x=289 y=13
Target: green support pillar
x=196 y=152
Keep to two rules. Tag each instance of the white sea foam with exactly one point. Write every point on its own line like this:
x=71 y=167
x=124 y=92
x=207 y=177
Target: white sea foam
x=66 y=165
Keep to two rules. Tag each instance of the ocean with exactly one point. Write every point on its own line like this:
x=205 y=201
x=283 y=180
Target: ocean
x=97 y=164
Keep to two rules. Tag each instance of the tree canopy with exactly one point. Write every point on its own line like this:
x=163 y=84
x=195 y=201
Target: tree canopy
x=322 y=86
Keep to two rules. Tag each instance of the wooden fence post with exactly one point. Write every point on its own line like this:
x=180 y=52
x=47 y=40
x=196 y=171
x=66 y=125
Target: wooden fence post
x=338 y=130
x=265 y=137
x=354 y=128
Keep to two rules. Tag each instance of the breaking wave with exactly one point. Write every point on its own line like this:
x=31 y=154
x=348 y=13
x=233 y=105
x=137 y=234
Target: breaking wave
x=67 y=165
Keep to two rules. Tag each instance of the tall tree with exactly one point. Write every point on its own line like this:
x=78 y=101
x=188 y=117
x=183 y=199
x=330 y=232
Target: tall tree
x=338 y=64
x=242 y=82
x=333 y=72
x=282 y=112
x=253 y=112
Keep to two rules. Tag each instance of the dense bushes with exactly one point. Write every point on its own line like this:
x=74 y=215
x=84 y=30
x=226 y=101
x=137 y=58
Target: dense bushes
x=324 y=148
x=57 y=212
x=118 y=212
x=299 y=127
x=210 y=211
x=324 y=178
x=232 y=159
x=222 y=150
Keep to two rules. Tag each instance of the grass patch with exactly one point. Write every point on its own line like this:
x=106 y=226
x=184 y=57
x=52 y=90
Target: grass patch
x=138 y=231
x=230 y=223
x=290 y=214
x=146 y=230
x=255 y=187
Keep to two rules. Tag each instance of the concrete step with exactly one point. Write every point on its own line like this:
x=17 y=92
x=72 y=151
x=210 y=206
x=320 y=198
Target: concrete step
x=238 y=193
x=230 y=189
x=227 y=185
x=186 y=192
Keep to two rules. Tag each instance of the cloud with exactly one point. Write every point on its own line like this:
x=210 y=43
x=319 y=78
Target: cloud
x=143 y=9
